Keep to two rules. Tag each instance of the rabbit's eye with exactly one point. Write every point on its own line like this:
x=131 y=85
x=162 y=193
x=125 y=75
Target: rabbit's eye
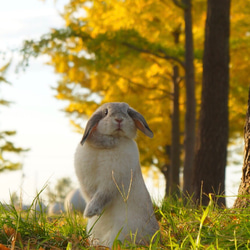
x=106 y=112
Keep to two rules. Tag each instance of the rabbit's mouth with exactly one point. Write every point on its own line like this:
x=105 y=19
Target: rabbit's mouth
x=119 y=131
x=119 y=127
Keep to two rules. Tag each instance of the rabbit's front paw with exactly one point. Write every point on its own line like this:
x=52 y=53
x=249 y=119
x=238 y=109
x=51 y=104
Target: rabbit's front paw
x=92 y=210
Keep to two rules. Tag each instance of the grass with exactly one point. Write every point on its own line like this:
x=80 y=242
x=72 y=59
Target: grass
x=35 y=230
x=183 y=226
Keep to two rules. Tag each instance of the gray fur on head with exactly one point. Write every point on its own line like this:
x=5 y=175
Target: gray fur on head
x=112 y=121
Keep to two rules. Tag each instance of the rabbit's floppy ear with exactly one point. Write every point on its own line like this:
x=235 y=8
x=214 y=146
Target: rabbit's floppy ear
x=140 y=122
x=91 y=125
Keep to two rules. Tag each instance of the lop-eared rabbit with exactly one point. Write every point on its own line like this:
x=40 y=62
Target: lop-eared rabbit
x=108 y=169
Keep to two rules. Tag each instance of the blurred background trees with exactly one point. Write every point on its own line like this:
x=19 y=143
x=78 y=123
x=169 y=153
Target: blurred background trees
x=141 y=52
x=58 y=193
x=6 y=146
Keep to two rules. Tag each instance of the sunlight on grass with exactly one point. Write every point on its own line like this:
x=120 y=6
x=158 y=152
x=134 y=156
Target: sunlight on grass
x=182 y=226
x=31 y=229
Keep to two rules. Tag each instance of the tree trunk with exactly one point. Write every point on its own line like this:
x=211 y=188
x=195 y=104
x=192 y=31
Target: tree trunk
x=165 y=172
x=243 y=199
x=173 y=182
x=165 y=169
x=211 y=151
x=174 y=170
x=189 y=144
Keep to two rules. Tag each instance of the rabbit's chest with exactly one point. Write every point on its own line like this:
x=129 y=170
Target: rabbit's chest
x=107 y=161
x=99 y=167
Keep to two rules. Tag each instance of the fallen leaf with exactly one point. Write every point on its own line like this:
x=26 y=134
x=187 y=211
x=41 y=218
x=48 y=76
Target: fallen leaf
x=9 y=231
x=3 y=247
x=12 y=234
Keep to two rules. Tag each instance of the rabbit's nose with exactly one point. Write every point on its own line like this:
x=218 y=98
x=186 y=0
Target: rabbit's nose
x=119 y=120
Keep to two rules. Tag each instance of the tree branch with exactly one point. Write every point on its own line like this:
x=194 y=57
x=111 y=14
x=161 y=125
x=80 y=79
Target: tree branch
x=164 y=56
x=167 y=93
x=179 y=4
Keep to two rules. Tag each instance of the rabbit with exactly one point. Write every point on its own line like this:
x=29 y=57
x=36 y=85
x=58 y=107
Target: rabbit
x=108 y=169
x=74 y=201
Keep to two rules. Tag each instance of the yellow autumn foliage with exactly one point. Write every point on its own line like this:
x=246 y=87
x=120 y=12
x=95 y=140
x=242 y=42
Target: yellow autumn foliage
x=116 y=52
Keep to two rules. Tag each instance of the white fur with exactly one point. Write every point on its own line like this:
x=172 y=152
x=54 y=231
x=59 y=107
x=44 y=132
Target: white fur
x=56 y=208
x=111 y=181
x=74 y=201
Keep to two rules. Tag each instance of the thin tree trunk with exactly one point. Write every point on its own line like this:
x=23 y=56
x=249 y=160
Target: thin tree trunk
x=165 y=172
x=165 y=169
x=189 y=144
x=211 y=154
x=243 y=199
x=174 y=170
x=173 y=182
